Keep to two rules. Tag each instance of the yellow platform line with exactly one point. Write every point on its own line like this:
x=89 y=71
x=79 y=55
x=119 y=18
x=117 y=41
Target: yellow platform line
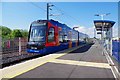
x=81 y=63
x=18 y=69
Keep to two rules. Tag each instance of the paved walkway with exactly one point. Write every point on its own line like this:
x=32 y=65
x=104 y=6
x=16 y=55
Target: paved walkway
x=85 y=62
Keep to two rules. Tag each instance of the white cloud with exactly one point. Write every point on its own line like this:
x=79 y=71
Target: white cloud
x=90 y=31
x=87 y=30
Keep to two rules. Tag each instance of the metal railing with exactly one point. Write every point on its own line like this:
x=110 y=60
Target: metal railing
x=17 y=45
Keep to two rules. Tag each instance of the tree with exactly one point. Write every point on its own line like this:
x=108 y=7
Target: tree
x=24 y=33
x=5 y=32
x=16 y=33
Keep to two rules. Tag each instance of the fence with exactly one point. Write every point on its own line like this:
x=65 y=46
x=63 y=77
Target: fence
x=116 y=49
x=14 y=45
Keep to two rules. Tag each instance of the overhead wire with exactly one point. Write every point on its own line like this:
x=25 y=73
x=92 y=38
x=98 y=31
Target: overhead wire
x=67 y=15
x=37 y=6
x=63 y=13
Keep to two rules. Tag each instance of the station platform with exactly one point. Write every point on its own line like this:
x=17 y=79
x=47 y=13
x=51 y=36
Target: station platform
x=82 y=62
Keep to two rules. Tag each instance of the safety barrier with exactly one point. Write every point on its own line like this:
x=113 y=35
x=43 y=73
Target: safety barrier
x=14 y=45
x=116 y=50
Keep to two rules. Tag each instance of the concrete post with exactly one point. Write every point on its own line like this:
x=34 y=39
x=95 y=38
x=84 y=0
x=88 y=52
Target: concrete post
x=19 y=46
x=0 y=46
x=111 y=40
x=103 y=38
x=0 y=51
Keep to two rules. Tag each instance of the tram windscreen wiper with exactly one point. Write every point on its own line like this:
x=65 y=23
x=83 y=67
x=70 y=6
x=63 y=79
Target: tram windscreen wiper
x=38 y=33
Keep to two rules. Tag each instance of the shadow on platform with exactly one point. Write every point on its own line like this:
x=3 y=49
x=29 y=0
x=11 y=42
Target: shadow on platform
x=82 y=49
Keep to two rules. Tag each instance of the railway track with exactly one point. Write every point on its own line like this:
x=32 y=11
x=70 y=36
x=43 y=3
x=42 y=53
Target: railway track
x=14 y=58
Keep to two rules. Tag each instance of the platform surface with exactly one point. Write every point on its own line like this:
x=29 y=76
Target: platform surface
x=84 y=62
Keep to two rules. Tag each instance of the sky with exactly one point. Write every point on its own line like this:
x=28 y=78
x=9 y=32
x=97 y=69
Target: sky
x=60 y=0
x=19 y=15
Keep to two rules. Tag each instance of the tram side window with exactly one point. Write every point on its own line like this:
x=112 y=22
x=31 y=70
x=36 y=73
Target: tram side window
x=51 y=35
x=64 y=38
x=60 y=37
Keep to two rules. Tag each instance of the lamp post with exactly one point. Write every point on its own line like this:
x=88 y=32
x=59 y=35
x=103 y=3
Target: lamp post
x=102 y=15
x=78 y=34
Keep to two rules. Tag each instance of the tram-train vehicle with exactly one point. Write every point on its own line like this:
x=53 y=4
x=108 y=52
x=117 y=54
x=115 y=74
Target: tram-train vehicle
x=48 y=36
